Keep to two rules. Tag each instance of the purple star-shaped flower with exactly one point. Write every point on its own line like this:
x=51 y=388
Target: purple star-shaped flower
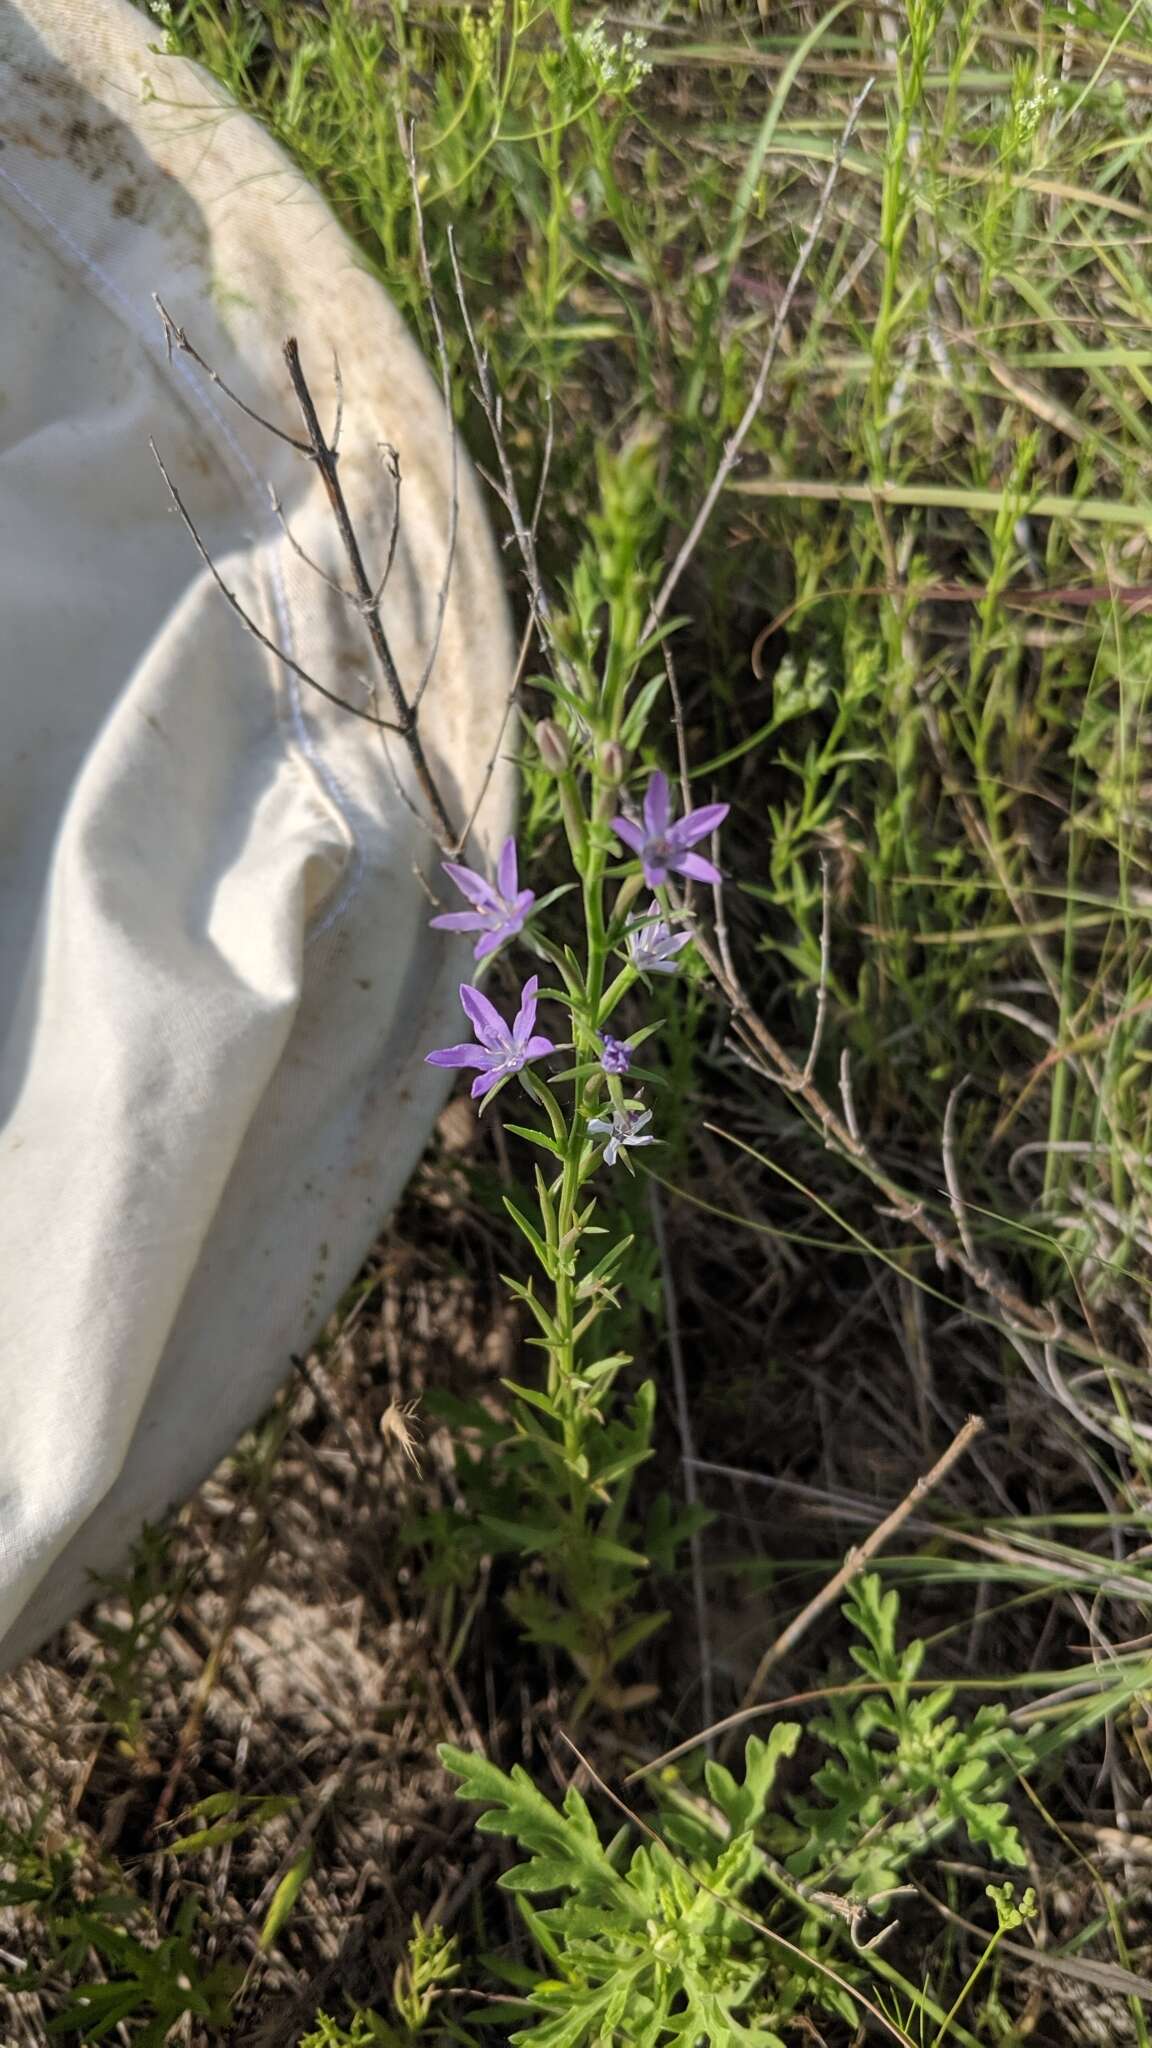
x=502 y=1049
x=499 y=909
x=665 y=848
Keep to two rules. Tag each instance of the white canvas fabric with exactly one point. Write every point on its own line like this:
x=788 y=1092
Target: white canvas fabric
x=217 y=981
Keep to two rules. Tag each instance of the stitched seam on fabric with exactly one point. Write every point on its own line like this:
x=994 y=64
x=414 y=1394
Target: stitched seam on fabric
x=327 y=778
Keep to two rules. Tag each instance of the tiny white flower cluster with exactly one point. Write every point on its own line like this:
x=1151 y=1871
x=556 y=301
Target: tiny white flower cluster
x=1031 y=111
x=617 y=67
x=481 y=31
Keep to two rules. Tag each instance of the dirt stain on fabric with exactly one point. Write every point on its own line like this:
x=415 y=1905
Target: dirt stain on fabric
x=57 y=119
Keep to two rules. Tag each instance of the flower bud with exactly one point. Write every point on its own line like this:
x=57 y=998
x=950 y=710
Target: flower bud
x=612 y=761
x=616 y=1057
x=626 y=895
x=553 y=746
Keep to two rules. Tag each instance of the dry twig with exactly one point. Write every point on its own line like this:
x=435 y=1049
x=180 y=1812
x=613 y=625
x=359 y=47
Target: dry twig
x=249 y=623
x=860 y=1555
x=523 y=530
x=951 y=1171
x=325 y=457
x=323 y=452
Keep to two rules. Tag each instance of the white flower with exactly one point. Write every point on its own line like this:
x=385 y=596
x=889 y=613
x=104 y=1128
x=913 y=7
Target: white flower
x=616 y=67
x=623 y=1127
x=652 y=944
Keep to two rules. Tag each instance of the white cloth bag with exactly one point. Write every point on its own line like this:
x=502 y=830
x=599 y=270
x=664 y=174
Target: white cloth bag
x=217 y=983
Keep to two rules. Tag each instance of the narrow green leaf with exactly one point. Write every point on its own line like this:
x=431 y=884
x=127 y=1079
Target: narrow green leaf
x=209 y=1838
x=540 y=1138
x=542 y=1251
x=285 y=1896
x=533 y=1396
x=613 y=1553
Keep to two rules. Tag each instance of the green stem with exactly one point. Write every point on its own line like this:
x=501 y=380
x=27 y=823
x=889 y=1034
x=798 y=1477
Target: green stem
x=966 y=1987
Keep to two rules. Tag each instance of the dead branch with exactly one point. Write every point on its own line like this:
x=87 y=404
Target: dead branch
x=324 y=456
x=861 y=1555
x=176 y=339
x=523 y=530
x=390 y=457
x=323 y=452
x=246 y=619
x=301 y=553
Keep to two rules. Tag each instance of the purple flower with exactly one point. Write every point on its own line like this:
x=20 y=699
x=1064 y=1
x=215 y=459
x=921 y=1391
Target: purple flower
x=616 y=1057
x=665 y=848
x=652 y=944
x=502 y=1049
x=623 y=1127
x=499 y=909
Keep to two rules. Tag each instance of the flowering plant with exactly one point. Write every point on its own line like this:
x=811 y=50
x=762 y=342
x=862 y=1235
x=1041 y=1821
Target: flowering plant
x=499 y=908
x=591 y=1109
x=501 y=1050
